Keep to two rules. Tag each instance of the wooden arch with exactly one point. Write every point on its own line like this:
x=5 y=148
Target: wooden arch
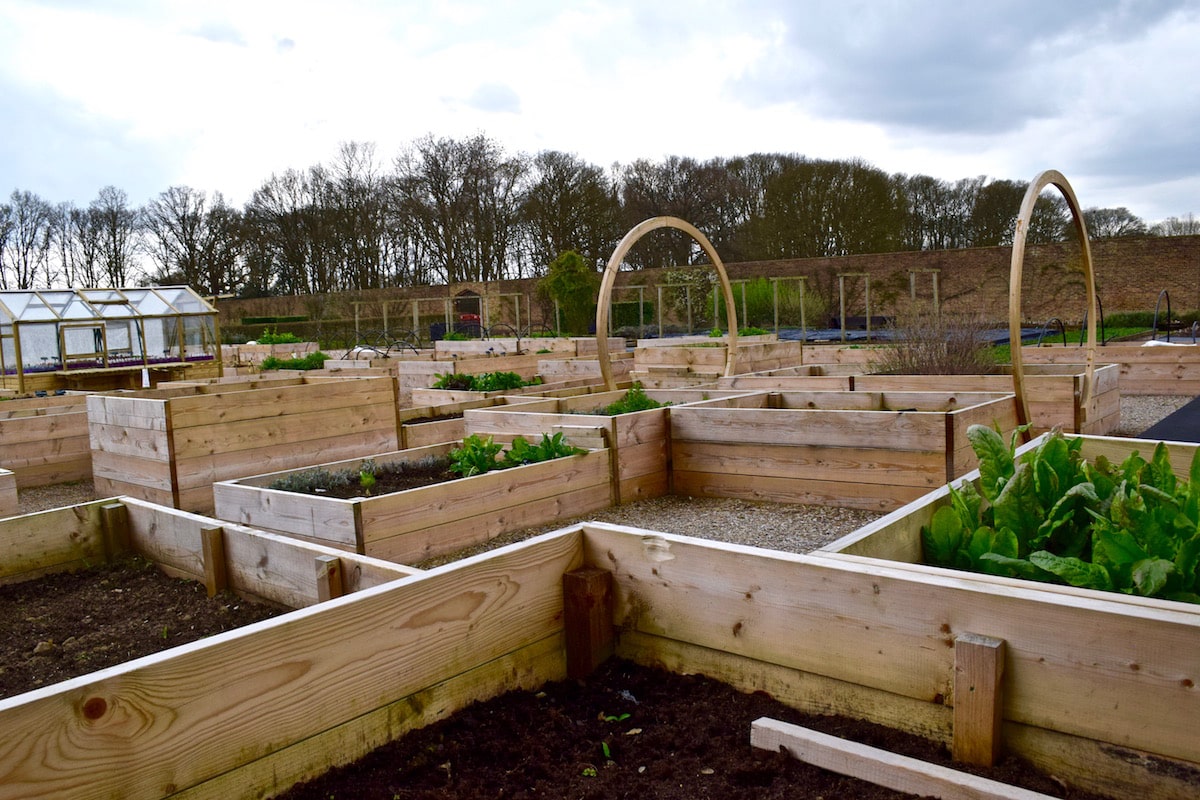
x=1044 y=179
x=610 y=277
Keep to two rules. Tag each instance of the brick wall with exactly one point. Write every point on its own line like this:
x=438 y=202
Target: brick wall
x=1130 y=273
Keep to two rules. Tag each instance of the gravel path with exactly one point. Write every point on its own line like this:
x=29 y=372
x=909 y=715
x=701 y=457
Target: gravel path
x=794 y=528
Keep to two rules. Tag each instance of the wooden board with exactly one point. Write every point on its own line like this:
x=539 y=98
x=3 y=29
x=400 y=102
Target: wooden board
x=8 y=493
x=119 y=733
x=49 y=541
x=1143 y=370
x=1099 y=669
x=45 y=440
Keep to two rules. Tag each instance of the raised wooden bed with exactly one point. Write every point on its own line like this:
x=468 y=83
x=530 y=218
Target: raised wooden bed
x=639 y=440
x=699 y=360
x=253 y=355
x=169 y=446
x=251 y=712
x=249 y=562
x=8 y=493
x=45 y=439
x=1054 y=393
x=417 y=433
x=810 y=377
x=1163 y=369
x=562 y=345
x=870 y=450
x=416 y=524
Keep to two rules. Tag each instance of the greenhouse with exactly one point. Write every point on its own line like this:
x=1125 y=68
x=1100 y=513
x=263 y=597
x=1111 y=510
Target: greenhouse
x=98 y=339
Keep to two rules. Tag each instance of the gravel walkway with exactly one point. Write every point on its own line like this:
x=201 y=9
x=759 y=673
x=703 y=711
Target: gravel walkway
x=793 y=528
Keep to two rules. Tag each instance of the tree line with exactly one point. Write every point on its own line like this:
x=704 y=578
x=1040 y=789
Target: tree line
x=451 y=210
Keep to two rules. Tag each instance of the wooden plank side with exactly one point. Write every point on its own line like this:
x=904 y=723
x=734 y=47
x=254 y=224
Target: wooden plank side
x=867 y=496
x=8 y=493
x=258 y=563
x=202 y=470
x=42 y=427
x=416 y=509
x=901 y=430
x=213 y=409
x=527 y=668
x=49 y=541
x=122 y=440
x=427 y=433
x=132 y=412
x=336 y=661
x=294 y=428
x=435 y=540
x=880 y=767
x=131 y=471
x=325 y=518
x=893 y=629
x=855 y=465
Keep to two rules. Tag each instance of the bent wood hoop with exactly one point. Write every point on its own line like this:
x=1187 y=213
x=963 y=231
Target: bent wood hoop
x=1047 y=178
x=610 y=277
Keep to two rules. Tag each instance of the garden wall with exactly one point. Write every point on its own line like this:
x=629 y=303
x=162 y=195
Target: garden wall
x=45 y=439
x=169 y=446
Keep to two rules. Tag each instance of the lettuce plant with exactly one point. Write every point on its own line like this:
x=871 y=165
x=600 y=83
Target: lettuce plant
x=1051 y=515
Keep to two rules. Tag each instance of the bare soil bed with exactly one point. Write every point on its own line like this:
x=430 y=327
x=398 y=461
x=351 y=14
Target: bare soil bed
x=627 y=732
x=69 y=624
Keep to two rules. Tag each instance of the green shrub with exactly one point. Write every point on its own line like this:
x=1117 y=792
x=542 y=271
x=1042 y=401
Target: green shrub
x=572 y=284
x=271 y=336
x=483 y=382
x=479 y=454
x=311 y=361
x=635 y=399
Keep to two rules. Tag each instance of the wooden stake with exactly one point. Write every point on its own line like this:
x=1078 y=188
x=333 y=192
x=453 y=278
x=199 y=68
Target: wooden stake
x=978 y=701
x=329 y=578
x=114 y=519
x=216 y=578
x=587 y=619
x=880 y=767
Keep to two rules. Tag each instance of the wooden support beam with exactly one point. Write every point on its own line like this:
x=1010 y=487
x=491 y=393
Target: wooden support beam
x=329 y=577
x=587 y=619
x=216 y=577
x=978 y=699
x=880 y=767
x=114 y=522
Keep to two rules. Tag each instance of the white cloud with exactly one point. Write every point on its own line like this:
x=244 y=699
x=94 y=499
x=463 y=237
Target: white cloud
x=220 y=95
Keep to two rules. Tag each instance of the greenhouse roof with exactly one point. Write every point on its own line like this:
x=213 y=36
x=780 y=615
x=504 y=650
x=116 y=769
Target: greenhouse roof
x=74 y=305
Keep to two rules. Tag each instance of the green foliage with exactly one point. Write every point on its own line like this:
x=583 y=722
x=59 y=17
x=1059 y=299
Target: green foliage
x=573 y=284
x=454 y=336
x=271 y=336
x=1053 y=516
x=635 y=399
x=483 y=382
x=476 y=456
x=311 y=361
x=479 y=454
x=366 y=475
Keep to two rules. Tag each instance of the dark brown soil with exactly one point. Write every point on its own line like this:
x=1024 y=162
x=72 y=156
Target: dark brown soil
x=69 y=624
x=388 y=481
x=669 y=737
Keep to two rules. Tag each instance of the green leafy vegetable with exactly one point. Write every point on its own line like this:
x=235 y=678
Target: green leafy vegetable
x=1051 y=515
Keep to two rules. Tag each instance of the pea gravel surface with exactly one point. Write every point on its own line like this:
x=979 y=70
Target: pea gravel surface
x=793 y=528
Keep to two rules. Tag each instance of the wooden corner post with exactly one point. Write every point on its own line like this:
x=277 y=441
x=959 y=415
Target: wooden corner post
x=978 y=699
x=587 y=619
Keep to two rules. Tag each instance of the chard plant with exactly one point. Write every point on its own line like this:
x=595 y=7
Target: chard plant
x=635 y=399
x=1053 y=516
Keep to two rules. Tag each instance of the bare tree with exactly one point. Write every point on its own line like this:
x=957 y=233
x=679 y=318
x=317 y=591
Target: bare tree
x=191 y=243
x=1187 y=225
x=570 y=205
x=117 y=227
x=30 y=240
x=1109 y=223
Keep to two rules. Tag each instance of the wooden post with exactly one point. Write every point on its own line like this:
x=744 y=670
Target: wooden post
x=216 y=577
x=114 y=519
x=329 y=577
x=978 y=700
x=587 y=619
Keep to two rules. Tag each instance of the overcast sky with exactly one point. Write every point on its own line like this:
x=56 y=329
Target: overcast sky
x=220 y=94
